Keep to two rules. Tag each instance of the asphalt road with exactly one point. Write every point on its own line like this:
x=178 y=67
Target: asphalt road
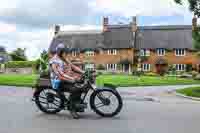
x=167 y=114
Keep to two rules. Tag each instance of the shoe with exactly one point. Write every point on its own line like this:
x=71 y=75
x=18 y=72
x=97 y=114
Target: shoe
x=81 y=106
x=74 y=114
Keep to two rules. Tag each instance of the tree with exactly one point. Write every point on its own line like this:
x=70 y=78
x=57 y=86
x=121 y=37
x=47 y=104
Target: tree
x=18 y=55
x=42 y=64
x=194 y=6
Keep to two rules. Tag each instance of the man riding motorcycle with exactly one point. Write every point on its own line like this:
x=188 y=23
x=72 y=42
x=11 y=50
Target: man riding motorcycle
x=64 y=75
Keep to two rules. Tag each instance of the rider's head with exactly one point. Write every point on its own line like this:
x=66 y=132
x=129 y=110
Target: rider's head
x=61 y=50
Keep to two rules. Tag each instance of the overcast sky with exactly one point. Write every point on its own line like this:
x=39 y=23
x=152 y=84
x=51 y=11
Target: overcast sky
x=28 y=23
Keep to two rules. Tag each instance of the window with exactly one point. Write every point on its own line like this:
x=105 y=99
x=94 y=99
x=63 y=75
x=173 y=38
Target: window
x=144 y=52
x=180 y=67
x=112 y=52
x=111 y=66
x=89 y=53
x=146 y=67
x=161 y=51
x=74 y=53
x=180 y=52
x=89 y=66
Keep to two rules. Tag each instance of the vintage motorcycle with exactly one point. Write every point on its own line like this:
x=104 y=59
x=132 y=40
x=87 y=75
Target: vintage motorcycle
x=105 y=101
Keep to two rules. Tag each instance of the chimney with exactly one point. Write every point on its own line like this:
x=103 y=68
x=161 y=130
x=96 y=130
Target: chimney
x=105 y=23
x=57 y=29
x=194 y=23
x=134 y=24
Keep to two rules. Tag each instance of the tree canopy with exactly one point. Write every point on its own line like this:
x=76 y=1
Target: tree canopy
x=18 y=55
x=194 y=6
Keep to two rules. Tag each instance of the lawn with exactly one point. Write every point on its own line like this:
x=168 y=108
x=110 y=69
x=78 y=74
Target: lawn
x=125 y=80
x=118 y=80
x=17 y=80
x=190 y=91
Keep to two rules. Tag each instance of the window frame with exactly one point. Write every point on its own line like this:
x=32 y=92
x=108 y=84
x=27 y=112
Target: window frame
x=111 y=67
x=89 y=53
x=74 y=53
x=89 y=66
x=180 y=52
x=180 y=67
x=145 y=52
x=161 y=51
x=112 y=51
x=146 y=67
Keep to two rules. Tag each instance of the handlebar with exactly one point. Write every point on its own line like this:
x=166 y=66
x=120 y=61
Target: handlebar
x=87 y=76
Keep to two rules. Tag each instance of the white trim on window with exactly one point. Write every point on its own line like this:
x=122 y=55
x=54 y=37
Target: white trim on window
x=145 y=52
x=74 y=53
x=112 y=67
x=89 y=53
x=160 y=51
x=89 y=66
x=146 y=67
x=112 y=52
x=180 y=67
x=180 y=52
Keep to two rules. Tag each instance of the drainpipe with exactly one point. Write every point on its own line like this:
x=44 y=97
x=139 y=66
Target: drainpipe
x=134 y=37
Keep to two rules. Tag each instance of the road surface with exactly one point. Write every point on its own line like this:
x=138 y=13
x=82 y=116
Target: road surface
x=166 y=114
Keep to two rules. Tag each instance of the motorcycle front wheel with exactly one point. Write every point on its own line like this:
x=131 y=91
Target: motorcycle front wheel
x=106 y=102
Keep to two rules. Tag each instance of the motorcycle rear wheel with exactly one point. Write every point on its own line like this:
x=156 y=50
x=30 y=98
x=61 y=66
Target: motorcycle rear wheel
x=51 y=96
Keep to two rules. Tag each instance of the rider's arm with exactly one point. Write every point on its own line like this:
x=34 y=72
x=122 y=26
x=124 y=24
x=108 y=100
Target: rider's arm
x=75 y=68
x=61 y=75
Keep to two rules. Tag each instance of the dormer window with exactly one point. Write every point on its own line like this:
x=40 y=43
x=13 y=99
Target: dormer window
x=144 y=52
x=160 y=51
x=112 y=52
x=89 y=53
x=180 y=52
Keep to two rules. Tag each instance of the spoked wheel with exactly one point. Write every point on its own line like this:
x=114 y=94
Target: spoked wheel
x=49 y=101
x=106 y=103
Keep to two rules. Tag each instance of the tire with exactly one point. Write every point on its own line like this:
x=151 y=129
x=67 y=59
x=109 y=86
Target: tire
x=97 y=111
x=42 y=108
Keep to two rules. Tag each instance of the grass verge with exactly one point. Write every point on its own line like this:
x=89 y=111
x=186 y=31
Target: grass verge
x=190 y=91
x=118 y=80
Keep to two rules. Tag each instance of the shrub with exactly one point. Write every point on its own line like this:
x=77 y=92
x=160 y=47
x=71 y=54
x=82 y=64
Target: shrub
x=137 y=73
x=150 y=74
x=172 y=69
x=20 y=64
x=186 y=75
x=189 y=67
x=100 y=67
x=194 y=74
x=197 y=77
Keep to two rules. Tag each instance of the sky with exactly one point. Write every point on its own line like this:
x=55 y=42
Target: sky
x=29 y=23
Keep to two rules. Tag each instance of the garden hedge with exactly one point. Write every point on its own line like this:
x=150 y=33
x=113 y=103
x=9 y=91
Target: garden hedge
x=20 y=64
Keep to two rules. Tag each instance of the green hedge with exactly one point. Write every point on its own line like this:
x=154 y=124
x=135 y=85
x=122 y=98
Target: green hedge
x=20 y=64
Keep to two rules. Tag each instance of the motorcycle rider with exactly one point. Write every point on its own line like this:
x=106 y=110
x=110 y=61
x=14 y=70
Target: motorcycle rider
x=63 y=72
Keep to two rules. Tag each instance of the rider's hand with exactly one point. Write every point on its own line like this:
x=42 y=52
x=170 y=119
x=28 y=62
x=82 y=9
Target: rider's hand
x=77 y=80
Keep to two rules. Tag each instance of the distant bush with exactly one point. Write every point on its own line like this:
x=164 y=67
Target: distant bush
x=137 y=73
x=20 y=64
x=151 y=74
x=186 y=75
x=197 y=77
x=100 y=67
x=189 y=67
x=194 y=74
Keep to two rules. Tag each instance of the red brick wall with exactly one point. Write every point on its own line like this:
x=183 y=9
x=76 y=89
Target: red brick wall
x=104 y=58
x=189 y=58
